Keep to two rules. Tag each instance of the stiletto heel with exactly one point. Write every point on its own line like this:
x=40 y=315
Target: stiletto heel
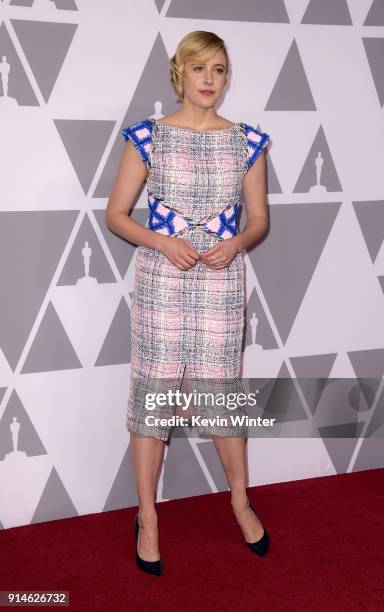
x=259 y=547
x=151 y=567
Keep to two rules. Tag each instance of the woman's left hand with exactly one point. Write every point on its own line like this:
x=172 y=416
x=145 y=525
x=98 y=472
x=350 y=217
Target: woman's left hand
x=220 y=255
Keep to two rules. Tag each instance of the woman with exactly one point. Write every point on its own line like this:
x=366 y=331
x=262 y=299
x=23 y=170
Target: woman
x=188 y=305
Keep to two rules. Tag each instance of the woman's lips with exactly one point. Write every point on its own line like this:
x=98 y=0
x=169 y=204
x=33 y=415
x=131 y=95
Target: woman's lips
x=206 y=92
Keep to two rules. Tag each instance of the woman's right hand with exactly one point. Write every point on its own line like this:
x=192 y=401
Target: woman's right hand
x=180 y=252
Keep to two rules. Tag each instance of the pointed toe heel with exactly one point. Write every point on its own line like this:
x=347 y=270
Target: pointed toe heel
x=259 y=547
x=150 y=567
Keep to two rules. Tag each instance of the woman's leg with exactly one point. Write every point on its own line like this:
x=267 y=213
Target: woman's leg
x=231 y=451
x=147 y=454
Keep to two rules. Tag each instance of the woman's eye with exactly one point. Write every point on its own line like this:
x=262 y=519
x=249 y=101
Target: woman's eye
x=220 y=70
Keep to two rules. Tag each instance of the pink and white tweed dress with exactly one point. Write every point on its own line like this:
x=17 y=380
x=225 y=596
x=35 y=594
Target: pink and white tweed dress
x=189 y=318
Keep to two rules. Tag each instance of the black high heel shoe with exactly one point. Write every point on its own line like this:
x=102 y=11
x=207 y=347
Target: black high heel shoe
x=151 y=567
x=259 y=547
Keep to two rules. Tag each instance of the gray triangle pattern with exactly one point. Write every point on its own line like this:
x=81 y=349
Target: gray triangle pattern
x=281 y=401
x=52 y=349
x=74 y=271
x=116 y=347
x=264 y=336
x=268 y=11
x=212 y=462
x=291 y=91
x=368 y=388
x=30 y=275
x=340 y=451
x=159 y=4
x=26 y=3
x=296 y=229
x=342 y=431
x=376 y=423
x=342 y=412
x=312 y=372
x=65 y=5
x=368 y=363
x=123 y=491
x=45 y=45
x=183 y=475
x=273 y=184
x=19 y=87
x=48 y=5
x=374 y=48
x=319 y=157
x=28 y=440
x=327 y=12
x=375 y=15
x=370 y=216
x=370 y=456
x=55 y=502
x=84 y=135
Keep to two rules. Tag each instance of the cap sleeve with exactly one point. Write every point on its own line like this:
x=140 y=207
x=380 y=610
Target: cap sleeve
x=256 y=142
x=140 y=134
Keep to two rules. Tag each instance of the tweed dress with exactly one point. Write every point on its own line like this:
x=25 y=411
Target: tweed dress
x=190 y=318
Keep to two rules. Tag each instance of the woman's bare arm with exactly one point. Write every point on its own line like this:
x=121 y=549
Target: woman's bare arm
x=254 y=196
x=131 y=175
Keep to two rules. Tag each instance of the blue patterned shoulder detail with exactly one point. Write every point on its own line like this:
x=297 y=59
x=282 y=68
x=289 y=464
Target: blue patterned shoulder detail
x=256 y=142
x=141 y=135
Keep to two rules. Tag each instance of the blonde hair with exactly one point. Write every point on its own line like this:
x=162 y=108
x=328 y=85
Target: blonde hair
x=195 y=46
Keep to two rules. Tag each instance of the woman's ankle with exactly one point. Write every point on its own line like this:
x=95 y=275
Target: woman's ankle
x=147 y=514
x=240 y=503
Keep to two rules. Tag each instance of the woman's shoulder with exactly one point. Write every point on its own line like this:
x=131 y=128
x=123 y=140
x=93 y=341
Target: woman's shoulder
x=140 y=129
x=256 y=141
x=140 y=134
x=252 y=132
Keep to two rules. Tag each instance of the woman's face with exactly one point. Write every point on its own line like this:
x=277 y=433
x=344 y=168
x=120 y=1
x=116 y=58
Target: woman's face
x=209 y=75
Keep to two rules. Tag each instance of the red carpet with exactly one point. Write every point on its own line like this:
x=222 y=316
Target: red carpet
x=326 y=552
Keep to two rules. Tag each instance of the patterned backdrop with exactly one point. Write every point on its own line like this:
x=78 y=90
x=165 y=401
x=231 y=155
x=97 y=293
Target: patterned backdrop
x=73 y=74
